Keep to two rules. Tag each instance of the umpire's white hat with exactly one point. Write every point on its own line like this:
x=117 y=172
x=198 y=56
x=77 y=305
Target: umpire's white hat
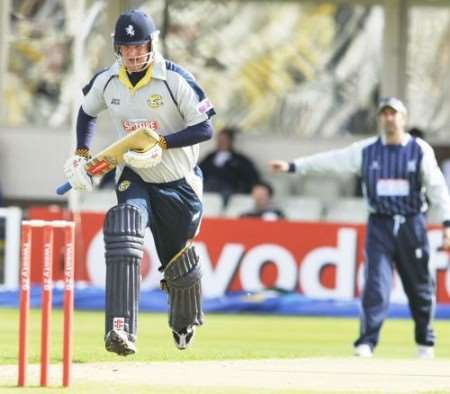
x=392 y=102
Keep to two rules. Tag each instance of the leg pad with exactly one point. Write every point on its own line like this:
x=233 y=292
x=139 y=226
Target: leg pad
x=124 y=249
x=183 y=281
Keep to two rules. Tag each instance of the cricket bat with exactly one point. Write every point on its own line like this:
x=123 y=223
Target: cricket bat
x=109 y=158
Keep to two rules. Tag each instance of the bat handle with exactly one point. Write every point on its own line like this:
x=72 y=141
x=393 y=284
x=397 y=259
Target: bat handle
x=63 y=188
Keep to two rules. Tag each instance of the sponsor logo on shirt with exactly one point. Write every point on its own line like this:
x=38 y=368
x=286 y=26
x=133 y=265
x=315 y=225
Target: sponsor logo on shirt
x=204 y=106
x=155 y=101
x=132 y=125
x=392 y=187
x=411 y=166
x=115 y=101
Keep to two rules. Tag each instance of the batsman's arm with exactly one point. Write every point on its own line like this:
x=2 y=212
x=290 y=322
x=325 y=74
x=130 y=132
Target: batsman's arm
x=80 y=168
x=92 y=104
x=85 y=128
x=191 y=135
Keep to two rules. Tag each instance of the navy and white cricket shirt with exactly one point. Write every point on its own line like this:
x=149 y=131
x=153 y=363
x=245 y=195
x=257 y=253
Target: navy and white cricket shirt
x=396 y=178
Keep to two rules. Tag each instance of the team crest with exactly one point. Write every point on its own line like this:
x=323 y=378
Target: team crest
x=155 y=101
x=124 y=185
x=130 y=30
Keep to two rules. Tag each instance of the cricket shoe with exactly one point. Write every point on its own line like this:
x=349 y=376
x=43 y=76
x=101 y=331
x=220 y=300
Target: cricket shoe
x=425 y=352
x=118 y=341
x=183 y=338
x=363 y=350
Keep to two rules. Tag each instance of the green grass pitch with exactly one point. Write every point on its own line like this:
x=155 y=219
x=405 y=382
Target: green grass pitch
x=223 y=337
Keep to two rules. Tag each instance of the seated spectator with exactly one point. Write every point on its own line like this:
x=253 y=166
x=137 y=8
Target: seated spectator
x=262 y=193
x=227 y=171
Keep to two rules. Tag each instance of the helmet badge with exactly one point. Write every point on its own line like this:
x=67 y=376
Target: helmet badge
x=130 y=30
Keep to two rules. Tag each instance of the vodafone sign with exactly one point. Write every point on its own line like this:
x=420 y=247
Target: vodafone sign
x=319 y=260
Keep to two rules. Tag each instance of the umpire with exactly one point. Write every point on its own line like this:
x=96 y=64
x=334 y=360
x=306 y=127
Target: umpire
x=399 y=172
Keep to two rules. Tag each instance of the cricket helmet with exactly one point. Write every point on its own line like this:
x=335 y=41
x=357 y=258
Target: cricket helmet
x=135 y=27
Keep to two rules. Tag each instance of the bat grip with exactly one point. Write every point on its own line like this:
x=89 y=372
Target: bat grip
x=63 y=188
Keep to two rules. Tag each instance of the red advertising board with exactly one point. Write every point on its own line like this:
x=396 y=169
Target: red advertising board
x=319 y=260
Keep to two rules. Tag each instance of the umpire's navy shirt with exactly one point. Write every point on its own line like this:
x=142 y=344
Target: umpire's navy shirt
x=396 y=178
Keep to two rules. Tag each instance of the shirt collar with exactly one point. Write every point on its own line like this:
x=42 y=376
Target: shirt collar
x=123 y=77
x=405 y=139
x=157 y=70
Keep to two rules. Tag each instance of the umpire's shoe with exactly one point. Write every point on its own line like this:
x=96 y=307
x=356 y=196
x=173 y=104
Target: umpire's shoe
x=183 y=338
x=118 y=341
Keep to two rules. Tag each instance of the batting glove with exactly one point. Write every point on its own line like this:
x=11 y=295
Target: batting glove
x=148 y=159
x=76 y=174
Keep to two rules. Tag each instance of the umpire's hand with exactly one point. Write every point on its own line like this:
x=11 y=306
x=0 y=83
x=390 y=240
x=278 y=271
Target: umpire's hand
x=278 y=166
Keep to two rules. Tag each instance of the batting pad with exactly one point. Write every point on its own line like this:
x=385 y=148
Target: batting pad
x=183 y=281
x=124 y=249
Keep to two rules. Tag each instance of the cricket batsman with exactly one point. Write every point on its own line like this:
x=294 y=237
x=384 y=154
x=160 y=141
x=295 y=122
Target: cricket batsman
x=160 y=188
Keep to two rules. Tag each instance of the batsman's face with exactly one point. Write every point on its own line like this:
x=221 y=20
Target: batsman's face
x=135 y=57
x=391 y=121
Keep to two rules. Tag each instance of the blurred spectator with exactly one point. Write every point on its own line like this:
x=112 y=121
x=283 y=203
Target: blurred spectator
x=227 y=171
x=262 y=193
x=417 y=132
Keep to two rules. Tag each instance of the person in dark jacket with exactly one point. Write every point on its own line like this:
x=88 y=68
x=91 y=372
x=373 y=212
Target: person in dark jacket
x=227 y=171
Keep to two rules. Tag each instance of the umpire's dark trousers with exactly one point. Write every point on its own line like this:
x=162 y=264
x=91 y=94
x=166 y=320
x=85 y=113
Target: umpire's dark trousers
x=399 y=240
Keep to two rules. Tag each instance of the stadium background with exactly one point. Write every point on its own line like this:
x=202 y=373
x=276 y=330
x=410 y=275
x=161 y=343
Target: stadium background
x=298 y=77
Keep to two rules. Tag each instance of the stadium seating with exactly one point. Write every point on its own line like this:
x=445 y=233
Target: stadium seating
x=282 y=184
x=238 y=204
x=301 y=208
x=324 y=188
x=212 y=204
x=351 y=210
